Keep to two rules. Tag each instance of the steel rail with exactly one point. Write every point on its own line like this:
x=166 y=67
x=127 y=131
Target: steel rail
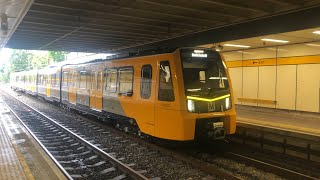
x=126 y=169
x=203 y=166
x=270 y=167
x=210 y=169
x=67 y=175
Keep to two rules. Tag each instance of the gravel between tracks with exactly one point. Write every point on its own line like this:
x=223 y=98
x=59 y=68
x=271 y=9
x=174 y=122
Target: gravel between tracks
x=142 y=158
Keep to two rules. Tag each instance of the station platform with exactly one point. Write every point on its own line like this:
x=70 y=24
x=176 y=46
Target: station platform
x=20 y=156
x=299 y=122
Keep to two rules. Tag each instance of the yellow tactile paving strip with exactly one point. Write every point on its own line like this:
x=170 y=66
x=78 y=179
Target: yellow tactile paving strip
x=10 y=167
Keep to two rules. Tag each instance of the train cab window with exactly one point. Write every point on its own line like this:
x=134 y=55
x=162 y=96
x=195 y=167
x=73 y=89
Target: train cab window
x=93 y=80
x=126 y=81
x=146 y=80
x=99 y=78
x=165 y=83
x=111 y=80
x=83 y=80
x=65 y=79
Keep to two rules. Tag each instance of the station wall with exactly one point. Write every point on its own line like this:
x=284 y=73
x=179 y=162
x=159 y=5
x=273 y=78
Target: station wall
x=283 y=77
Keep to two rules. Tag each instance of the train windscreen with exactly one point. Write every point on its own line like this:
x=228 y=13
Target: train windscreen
x=204 y=75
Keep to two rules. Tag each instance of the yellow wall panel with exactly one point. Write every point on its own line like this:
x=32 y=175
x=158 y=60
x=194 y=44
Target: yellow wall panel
x=236 y=79
x=250 y=84
x=267 y=85
x=308 y=87
x=286 y=87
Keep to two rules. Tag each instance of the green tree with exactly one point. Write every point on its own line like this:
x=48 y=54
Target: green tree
x=39 y=61
x=57 y=56
x=5 y=72
x=20 y=60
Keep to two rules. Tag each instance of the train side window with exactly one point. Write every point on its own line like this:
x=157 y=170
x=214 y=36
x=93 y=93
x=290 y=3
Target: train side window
x=53 y=79
x=165 y=82
x=40 y=80
x=93 y=80
x=58 y=79
x=126 y=81
x=48 y=79
x=75 y=78
x=65 y=79
x=111 y=80
x=99 y=78
x=83 y=80
x=70 y=80
x=44 y=80
x=146 y=80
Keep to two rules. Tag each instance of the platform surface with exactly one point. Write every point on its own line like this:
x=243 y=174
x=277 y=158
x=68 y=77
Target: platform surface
x=303 y=122
x=20 y=156
x=10 y=167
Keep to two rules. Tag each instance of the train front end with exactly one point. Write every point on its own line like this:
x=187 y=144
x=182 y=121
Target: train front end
x=208 y=94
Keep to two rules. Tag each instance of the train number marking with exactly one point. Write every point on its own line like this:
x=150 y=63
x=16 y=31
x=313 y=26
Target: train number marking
x=211 y=106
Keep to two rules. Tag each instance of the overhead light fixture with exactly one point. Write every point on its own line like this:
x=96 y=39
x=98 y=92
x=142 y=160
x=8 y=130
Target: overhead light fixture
x=237 y=45
x=316 y=32
x=316 y=45
x=274 y=40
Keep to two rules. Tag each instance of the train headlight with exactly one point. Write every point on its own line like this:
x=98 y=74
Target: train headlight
x=191 y=106
x=228 y=105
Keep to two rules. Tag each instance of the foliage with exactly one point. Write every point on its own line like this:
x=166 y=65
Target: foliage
x=40 y=61
x=23 y=60
x=20 y=60
x=57 y=56
x=5 y=72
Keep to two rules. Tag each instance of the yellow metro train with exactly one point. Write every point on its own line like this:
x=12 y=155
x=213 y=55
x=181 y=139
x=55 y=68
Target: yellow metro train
x=183 y=95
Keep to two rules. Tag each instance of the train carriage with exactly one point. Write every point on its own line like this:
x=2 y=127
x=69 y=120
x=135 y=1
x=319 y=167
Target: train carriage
x=169 y=96
x=180 y=95
x=31 y=82
x=17 y=80
x=54 y=74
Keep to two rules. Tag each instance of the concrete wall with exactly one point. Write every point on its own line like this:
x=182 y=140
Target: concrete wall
x=284 y=77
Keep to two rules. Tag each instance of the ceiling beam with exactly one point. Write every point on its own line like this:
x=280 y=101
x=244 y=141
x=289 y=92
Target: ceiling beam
x=234 y=6
x=285 y=22
x=97 y=25
x=129 y=11
x=35 y=23
x=100 y=20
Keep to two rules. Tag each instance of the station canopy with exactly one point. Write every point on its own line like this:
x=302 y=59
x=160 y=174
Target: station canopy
x=116 y=25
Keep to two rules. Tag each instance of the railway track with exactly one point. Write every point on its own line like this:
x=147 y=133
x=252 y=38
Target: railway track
x=75 y=156
x=203 y=165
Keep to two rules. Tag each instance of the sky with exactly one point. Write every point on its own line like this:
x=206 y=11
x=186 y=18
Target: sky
x=5 y=54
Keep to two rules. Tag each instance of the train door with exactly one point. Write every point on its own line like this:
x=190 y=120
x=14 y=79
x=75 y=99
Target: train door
x=166 y=104
x=96 y=90
x=72 y=87
x=146 y=94
x=48 y=85
x=64 y=86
